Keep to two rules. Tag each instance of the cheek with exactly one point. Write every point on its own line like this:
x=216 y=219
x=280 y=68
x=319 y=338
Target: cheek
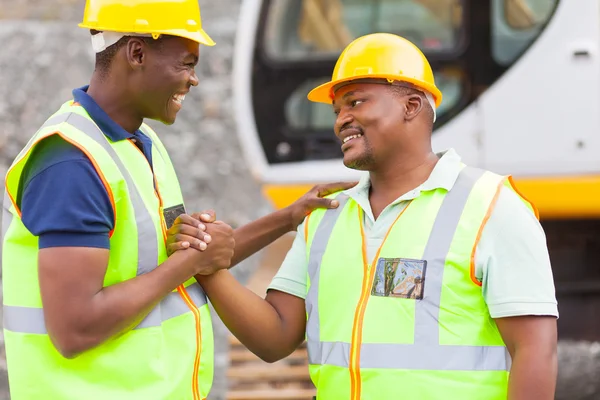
x=382 y=133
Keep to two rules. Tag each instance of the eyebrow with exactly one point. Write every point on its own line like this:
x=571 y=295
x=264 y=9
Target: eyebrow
x=193 y=56
x=348 y=94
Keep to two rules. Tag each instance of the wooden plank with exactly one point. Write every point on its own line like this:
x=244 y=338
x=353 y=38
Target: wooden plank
x=285 y=394
x=268 y=373
x=234 y=342
x=238 y=355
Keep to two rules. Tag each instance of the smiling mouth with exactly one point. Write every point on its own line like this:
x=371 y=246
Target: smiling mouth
x=349 y=138
x=178 y=98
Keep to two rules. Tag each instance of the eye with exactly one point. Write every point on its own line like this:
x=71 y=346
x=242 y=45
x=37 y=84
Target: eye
x=354 y=103
x=336 y=112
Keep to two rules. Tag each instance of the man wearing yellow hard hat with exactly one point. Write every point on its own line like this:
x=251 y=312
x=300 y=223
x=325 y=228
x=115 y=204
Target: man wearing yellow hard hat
x=94 y=308
x=431 y=280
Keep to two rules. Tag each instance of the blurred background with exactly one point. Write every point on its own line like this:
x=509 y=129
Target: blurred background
x=521 y=86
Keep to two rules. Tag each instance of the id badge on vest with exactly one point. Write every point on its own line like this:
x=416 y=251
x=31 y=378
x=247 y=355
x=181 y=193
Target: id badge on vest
x=170 y=214
x=399 y=277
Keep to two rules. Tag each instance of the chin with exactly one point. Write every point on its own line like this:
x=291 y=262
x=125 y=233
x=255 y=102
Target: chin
x=356 y=163
x=166 y=120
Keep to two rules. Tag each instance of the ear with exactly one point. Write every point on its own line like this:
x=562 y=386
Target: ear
x=136 y=52
x=414 y=105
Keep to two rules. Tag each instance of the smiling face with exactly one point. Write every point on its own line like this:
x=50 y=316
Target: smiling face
x=166 y=73
x=371 y=123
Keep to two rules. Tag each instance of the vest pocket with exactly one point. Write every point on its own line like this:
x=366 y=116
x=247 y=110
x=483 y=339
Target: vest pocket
x=399 y=277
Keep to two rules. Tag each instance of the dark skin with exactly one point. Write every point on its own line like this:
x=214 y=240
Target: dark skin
x=396 y=150
x=81 y=313
x=395 y=146
x=144 y=79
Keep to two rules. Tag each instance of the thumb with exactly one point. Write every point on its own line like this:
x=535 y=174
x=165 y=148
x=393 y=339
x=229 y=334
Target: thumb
x=325 y=203
x=206 y=216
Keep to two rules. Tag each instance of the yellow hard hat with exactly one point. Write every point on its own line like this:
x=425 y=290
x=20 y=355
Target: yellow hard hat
x=384 y=56
x=155 y=17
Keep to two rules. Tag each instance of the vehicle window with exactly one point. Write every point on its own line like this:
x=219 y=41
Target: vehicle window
x=304 y=116
x=322 y=28
x=516 y=24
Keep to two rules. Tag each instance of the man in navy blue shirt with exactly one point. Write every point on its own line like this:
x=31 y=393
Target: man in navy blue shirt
x=65 y=204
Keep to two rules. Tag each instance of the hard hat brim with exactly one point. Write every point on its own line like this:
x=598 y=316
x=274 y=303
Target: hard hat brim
x=199 y=36
x=323 y=93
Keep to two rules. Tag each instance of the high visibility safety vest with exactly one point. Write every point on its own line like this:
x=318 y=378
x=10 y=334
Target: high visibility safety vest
x=412 y=324
x=169 y=354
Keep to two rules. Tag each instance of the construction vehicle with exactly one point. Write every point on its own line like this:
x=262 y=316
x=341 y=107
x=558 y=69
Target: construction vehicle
x=521 y=87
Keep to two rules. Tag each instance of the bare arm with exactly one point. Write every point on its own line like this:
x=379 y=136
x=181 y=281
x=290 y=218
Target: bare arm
x=80 y=313
x=188 y=230
x=258 y=234
x=531 y=342
x=271 y=328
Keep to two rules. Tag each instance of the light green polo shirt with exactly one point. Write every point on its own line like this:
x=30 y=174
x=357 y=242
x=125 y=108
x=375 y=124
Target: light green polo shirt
x=511 y=259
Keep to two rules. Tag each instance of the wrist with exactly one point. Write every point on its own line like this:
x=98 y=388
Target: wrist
x=172 y=270
x=208 y=279
x=287 y=215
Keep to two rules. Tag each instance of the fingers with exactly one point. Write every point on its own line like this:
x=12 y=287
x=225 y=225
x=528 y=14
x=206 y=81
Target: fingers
x=182 y=242
x=191 y=220
x=207 y=216
x=192 y=232
x=329 y=188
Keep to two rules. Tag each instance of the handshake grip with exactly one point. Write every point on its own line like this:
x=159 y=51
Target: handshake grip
x=219 y=252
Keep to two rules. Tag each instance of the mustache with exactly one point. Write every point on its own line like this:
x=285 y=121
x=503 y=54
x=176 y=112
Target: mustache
x=349 y=126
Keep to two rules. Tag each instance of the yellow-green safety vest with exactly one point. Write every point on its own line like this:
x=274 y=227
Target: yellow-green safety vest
x=169 y=354
x=364 y=343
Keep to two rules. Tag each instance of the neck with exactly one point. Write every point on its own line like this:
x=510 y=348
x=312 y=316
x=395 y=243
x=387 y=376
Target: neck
x=405 y=173
x=111 y=96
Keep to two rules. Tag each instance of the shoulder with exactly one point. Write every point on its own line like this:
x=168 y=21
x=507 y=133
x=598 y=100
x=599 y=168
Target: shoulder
x=513 y=234
x=51 y=151
x=511 y=212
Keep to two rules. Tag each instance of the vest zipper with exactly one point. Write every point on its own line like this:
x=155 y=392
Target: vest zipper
x=196 y=312
x=359 y=314
x=181 y=289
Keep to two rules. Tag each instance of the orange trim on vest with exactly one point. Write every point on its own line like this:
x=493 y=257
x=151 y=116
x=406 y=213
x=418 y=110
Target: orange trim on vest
x=478 y=238
x=94 y=163
x=357 y=328
x=186 y=297
x=163 y=224
x=306 y=228
x=514 y=186
x=181 y=289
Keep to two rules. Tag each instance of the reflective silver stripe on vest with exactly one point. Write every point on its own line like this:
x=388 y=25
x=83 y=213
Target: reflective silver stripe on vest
x=31 y=320
x=7 y=216
x=426 y=353
x=317 y=250
x=147 y=239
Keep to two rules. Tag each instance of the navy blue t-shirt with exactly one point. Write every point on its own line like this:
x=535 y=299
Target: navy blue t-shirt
x=61 y=196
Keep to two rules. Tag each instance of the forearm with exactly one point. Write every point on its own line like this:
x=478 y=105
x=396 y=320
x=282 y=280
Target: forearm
x=253 y=320
x=119 y=308
x=256 y=235
x=533 y=374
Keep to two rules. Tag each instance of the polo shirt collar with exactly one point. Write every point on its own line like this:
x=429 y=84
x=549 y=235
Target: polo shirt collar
x=443 y=176
x=110 y=128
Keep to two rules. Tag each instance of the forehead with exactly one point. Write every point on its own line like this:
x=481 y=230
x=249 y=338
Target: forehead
x=180 y=47
x=358 y=88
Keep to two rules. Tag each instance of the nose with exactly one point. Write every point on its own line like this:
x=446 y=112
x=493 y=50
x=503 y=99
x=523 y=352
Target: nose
x=194 y=79
x=342 y=119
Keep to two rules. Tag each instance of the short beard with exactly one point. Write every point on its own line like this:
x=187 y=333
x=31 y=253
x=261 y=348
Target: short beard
x=366 y=161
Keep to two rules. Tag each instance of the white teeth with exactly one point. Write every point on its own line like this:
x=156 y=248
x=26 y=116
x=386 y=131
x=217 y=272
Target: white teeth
x=178 y=98
x=351 y=137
